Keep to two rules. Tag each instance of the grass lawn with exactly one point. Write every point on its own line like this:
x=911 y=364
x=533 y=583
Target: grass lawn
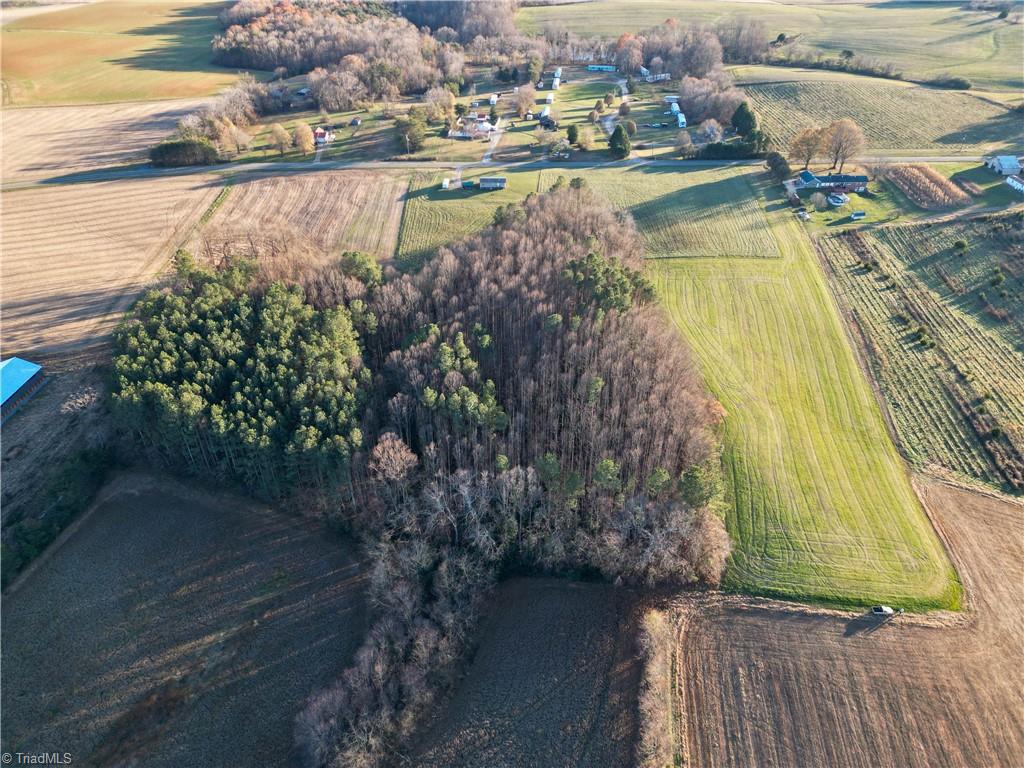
x=113 y=51
x=433 y=217
x=896 y=118
x=689 y=212
x=822 y=506
x=922 y=39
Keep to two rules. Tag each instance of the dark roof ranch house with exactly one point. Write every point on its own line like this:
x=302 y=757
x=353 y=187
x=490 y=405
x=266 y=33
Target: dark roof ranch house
x=843 y=182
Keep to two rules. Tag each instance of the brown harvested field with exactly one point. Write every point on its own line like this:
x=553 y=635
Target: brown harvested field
x=553 y=682
x=75 y=256
x=42 y=142
x=177 y=628
x=775 y=685
x=335 y=211
x=926 y=187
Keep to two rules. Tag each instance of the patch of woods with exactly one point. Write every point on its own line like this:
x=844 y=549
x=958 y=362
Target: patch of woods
x=520 y=403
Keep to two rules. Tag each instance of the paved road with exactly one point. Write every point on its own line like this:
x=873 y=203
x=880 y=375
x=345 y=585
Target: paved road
x=307 y=166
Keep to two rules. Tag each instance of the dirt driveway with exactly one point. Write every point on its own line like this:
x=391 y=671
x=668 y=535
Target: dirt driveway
x=177 y=628
x=771 y=687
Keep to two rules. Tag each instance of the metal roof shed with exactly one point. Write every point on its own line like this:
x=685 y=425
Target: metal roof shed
x=19 y=379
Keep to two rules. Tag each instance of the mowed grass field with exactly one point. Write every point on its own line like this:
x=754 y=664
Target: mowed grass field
x=433 y=217
x=896 y=118
x=822 y=508
x=688 y=212
x=115 y=50
x=921 y=39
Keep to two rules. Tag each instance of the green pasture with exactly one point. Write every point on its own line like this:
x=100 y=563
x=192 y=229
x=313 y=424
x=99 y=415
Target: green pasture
x=112 y=51
x=822 y=508
x=921 y=39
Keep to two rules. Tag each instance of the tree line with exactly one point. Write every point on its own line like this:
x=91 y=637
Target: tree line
x=520 y=401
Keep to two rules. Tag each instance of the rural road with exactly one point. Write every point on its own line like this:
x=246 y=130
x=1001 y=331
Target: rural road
x=283 y=168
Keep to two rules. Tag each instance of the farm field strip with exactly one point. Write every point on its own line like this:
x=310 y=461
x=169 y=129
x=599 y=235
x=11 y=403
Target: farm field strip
x=822 y=507
x=119 y=50
x=778 y=685
x=54 y=141
x=894 y=118
x=977 y=366
x=923 y=40
x=924 y=411
x=688 y=213
x=343 y=210
x=74 y=257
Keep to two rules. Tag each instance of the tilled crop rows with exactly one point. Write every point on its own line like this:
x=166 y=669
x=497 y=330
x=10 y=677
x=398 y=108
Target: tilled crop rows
x=336 y=210
x=54 y=141
x=75 y=256
x=954 y=387
x=780 y=686
x=892 y=117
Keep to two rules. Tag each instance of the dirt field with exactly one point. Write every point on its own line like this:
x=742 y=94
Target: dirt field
x=335 y=210
x=74 y=256
x=776 y=686
x=41 y=142
x=133 y=652
x=554 y=682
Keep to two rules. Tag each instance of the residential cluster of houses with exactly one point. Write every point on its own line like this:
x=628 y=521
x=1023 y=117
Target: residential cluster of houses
x=1008 y=166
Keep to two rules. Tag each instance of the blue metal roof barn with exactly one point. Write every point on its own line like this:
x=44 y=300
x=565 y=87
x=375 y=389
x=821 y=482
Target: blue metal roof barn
x=19 y=379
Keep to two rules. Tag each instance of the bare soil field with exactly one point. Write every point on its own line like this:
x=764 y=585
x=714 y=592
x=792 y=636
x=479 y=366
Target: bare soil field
x=40 y=142
x=553 y=683
x=75 y=256
x=334 y=211
x=777 y=685
x=133 y=652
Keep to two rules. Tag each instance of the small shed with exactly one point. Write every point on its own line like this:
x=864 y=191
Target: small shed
x=549 y=99
x=556 y=83
x=19 y=380
x=446 y=183
x=493 y=99
x=493 y=182
x=558 y=72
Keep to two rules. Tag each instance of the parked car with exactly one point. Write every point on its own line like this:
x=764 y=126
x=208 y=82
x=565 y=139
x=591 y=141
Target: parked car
x=837 y=200
x=858 y=215
x=882 y=610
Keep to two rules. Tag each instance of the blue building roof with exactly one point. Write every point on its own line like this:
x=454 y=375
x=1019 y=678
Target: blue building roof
x=806 y=177
x=14 y=374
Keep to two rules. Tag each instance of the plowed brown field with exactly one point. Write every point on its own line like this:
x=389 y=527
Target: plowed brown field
x=773 y=685
x=337 y=211
x=178 y=628
x=73 y=257
x=554 y=682
x=40 y=142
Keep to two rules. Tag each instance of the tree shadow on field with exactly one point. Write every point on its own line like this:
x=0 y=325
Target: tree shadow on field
x=179 y=45
x=1004 y=131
